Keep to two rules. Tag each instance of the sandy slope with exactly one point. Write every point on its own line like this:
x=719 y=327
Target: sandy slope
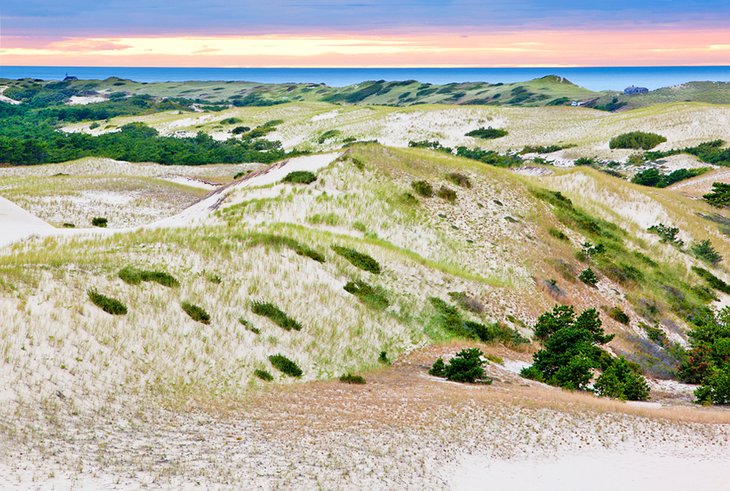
x=16 y=224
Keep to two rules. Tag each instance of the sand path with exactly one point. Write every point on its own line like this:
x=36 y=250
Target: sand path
x=17 y=224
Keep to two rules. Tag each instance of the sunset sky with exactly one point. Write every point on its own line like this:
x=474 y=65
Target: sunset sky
x=324 y=33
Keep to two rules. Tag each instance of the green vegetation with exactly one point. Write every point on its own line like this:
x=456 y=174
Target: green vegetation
x=708 y=360
x=447 y=194
x=544 y=149
x=277 y=316
x=712 y=152
x=588 y=277
x=274 y=240
x=249 y=325
x=449 y=320
x=654 y=178
x=349 y=378
x=487 y=133
x=467 y=367
x=300 y=177
x=107 y=304
x=720 y=195
x=133 y=276
x=358 y=259
x=100 y=222
x=572 y=350
x=712 y=280
x=489 y=157
x=328 y=135
x=422 y=188
x=196 y=313
x=263 y=375
x=667 y=234
x=704 y=251
x=467 y=302
x=373 y=297
x=459 y=179
x=617 y=314
x=285 y=365
x=639 y=140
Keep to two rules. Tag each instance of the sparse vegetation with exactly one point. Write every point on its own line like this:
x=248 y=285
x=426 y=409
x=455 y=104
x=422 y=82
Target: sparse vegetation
x=196 y=312
x=371 y=296
x=107 y=304
x=285 y=365
x=617 y=314
x=459 y=179
x=274 y=240
x=349 y=378
x=704 y=251
x=447 y=194
x=422 y=188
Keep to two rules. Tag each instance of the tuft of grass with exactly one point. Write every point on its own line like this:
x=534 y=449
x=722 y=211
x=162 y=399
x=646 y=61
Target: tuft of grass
x=557 y=234
x=100 y=222
x=263 y=375
x=282 y=241
x=249 y=326
x=300 y=177
x=277 y=316
x=446 y=193
x=371 y=296
x=617 y=314
x=107 y=304
x=349 y=378
x=358 y=259
x=383 y=358
x=422 y=188
x=459 y=179
x=133 y=276
x=195 y=312
x=285 y=365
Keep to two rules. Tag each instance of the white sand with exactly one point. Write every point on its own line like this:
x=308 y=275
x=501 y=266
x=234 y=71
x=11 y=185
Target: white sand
x=82 y=100
x=609 y=470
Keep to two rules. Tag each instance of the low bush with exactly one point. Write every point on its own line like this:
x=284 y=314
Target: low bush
x=704 y=251
x=285 y=365
x=195 y=312
x=487 y=133
x=358 y=259
x=715 y=389
x=712 y=280
x=459 y=179
x=300 y=177
x=638 y=140
x=588 y=277
x=249 y=326
x=720 y=195
x=263 y=375
x=107 y=304
x=447 y=194
x=422 y=188
x=133 y=276
x=617 y=314
x=467 y=366
x=383 y=358
x=622 y=380
x=667 y=234
x=277 y=316
x=371 y=296
x=348 y=378
x=100 y=222
x=282 y=241
x=557 y=234
x=328 y=135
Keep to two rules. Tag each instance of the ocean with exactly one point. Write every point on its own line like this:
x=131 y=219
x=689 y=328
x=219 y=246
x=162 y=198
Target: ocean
x=594 y=78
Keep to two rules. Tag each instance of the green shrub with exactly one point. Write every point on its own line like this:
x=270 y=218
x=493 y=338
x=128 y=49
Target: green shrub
x=447 y=194
x=130 y=275
x=637 y=140
x=358 y=259
x=487 y=133
x=557 y=234
x=704 y=251
x=720 y=195
x=712 y=280
x=459 y=179
x=348 y=378
x=107 y=304
x=99 y=222
x=300 y=177
x=69 y=225
x=655 y=333
x=467 y=366
x=617 y=314
x=588 y=277
x=450 y=320
x=422 y=188
x=278 y=317
x=370 y=296
x=622 y=381
x=327 y=135
x=715 y=389
x=285 y=365
x=667 y=234
x=263 y=375
x=584 y=161
x=195 y=312
x=383 y=358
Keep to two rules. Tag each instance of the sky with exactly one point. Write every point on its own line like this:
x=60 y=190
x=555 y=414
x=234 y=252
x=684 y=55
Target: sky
x=364 y=33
